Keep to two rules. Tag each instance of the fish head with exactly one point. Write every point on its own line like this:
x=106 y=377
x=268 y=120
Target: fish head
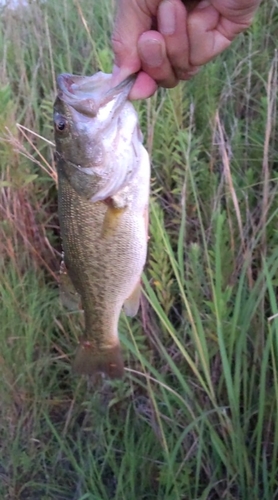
x=92 y=121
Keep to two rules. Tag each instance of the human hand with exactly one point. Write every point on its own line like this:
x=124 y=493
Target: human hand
x=187 y=35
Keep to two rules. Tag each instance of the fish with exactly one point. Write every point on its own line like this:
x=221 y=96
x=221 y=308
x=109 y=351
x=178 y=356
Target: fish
x=103 y=174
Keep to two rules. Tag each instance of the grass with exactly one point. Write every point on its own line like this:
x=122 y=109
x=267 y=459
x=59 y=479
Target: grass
x=196 y=416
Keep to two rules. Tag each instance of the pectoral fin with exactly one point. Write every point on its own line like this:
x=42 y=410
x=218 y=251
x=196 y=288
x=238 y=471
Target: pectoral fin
x=111 y=221
x=68 y=295
x=132 y=303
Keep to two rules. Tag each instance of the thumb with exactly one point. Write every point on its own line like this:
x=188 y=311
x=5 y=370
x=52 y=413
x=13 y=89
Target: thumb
x=133 y=17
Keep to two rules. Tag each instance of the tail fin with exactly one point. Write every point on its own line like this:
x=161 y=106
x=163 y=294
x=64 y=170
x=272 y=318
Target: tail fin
x=89 y=361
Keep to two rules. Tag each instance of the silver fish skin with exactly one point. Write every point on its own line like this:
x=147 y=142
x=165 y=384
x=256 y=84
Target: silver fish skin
x=103 y=192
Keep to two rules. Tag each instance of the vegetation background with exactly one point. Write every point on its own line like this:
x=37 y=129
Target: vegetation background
x=196 y=417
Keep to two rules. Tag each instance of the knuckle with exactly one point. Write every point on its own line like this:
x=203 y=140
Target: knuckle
x=186 y=73
x=169 y=83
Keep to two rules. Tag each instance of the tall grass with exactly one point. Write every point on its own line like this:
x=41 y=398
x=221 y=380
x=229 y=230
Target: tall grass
x=196 y=416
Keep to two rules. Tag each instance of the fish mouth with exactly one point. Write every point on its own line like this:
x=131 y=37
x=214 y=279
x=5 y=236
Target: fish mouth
x=87 y=94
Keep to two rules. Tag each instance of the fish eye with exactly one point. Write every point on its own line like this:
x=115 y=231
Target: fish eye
x=61 y=124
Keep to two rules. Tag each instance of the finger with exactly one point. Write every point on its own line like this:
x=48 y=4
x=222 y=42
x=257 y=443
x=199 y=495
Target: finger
x=172 y=24
x=143 y=88
x=213 y=24
x=133 y=17
x=205 y=40
x=238 y=12
x=236 y=16
x=154 y=60
x=128 y=24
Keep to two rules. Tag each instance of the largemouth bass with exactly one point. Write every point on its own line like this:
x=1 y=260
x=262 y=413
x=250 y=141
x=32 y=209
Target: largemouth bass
x=103 y=192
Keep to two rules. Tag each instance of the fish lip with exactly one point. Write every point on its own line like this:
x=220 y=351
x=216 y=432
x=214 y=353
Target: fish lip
x=70 y=89
x=64 y=82
x=124 y=86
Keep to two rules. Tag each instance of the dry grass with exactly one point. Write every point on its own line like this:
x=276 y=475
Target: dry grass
x=196 y=416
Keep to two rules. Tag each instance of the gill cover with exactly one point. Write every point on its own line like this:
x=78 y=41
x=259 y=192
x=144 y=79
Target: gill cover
x=96 y=133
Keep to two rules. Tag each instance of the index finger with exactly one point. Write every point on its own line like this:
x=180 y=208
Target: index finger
x=133 y=17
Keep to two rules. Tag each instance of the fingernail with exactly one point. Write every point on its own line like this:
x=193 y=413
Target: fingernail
x=203 y=4
x=151 y=53
x=167 y=18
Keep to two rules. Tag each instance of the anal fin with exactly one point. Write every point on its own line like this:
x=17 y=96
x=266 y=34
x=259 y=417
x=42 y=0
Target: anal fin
x=132 y=303
x=69 y=297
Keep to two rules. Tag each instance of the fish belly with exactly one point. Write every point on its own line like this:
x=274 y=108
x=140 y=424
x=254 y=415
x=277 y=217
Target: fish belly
x=105 y=268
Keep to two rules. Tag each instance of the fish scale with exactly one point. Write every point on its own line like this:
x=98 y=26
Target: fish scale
x=104 y=242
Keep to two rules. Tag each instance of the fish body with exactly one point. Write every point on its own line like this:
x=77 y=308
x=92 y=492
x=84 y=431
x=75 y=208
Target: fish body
x=103 y=192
